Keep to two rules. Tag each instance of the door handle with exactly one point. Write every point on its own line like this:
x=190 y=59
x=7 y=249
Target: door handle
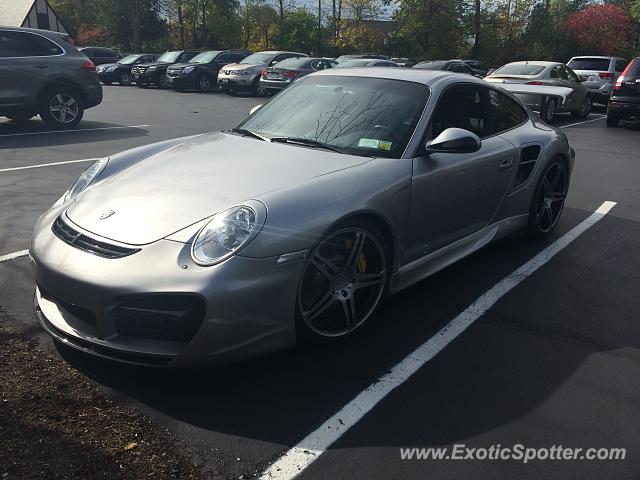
x=41 y=66
x=506 y=164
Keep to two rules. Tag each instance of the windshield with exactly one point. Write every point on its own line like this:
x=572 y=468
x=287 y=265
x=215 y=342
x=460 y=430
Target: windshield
x=589 y=64
x=293 y=62
x=129 y=59
x=168 y=57
x=257 y=58
x=519 y=69
x=430 y=65
x=353 y=63
x=205 y=57
x=359 y=115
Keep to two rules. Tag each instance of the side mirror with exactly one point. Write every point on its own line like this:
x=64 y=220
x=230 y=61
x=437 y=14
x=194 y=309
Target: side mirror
x=254 y=109
x=454 y=140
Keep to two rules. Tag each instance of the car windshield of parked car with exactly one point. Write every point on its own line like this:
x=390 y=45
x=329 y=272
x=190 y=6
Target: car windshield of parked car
x=354 y=63
x=168 y=57
x=129 y=59
x=205 y=57
x=585 y=63
x=257 y=58
x=293 y=62
x=519 y=69
x=430 y=65
x=355 y=115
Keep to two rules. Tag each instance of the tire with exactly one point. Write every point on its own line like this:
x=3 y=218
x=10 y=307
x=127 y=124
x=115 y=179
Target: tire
x=585 y=108
x=549 y=110
x=612 y=121
x=255 y=88
x=61 y=108
x=125 y=79
x=342 y=283
x=548 y=199
x=162 y=83
x=203 y=84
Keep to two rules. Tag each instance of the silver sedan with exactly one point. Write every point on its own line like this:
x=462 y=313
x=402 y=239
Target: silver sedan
x=553 y=74
x=349 y=186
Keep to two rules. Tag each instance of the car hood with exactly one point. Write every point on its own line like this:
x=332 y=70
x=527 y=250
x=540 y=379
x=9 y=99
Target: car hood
x=192 y=181
x=245 y=66
x=107 y=65
x=155 y=64
x=177 y=66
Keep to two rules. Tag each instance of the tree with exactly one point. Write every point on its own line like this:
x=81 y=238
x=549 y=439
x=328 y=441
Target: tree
x=600 y=28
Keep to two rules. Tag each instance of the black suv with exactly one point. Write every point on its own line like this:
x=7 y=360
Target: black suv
x=624 y=103
x=201 y=72
x=156 y=73
x=40 y=73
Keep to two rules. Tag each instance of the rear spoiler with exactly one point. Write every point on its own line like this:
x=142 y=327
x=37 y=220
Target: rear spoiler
x=545 y=91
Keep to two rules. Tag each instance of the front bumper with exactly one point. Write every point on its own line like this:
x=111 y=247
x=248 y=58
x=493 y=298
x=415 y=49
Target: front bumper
x=182 y=81
x=146 y=78
x=238 y=83
x=108 y=77
x=248 y=304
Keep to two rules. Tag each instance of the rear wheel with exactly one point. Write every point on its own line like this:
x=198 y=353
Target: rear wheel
x=61 y=108
x=585 y=108
x=125 y=79
x=342 y=282
x=548 y=199
x=612 y=120
x=255 y=88
x=549 y=110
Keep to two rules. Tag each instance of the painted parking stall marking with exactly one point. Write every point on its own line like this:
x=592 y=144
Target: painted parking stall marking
x=42 y=165
x=72 y=131
x=298 y=458
x=11 y=256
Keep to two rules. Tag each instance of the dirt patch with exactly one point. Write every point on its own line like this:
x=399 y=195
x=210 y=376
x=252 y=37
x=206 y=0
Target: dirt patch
x=56 y=423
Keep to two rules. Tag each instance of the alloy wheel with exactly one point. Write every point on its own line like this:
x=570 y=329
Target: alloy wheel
x=343 y=281
x=125 y=78
x=551 y=197
x=204 y=84
x=64 y=108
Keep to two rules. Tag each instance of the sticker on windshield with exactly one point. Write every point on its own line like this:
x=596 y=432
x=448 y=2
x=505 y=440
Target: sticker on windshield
x=374 y=143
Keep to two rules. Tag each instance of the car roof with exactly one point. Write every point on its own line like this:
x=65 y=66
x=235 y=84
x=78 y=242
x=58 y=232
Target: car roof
x=46 y=33
x=426 y=77
x=602 y=57
x=540 y=63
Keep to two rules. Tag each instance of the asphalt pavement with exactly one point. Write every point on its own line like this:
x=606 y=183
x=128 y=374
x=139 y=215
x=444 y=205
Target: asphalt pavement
x=555 y=361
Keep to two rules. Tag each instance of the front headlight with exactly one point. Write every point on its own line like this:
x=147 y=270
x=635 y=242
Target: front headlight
x=225 y=234
x=188 y=69
x=110 y=69
x=151 y=69
x=85 y=179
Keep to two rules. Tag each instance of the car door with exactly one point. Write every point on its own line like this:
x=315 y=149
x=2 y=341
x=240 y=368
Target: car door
x=580 y=90
x=221 y=60
x=25 y=61
x=456 y=194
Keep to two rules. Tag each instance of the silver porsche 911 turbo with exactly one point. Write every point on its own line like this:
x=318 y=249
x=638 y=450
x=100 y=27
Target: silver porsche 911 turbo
x=348 y=186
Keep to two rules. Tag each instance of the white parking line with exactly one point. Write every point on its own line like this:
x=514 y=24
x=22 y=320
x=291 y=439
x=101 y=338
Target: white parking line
x=11 y=256
x=27 y=167
x=71 y=131
x=586 y=121
x=298 y=458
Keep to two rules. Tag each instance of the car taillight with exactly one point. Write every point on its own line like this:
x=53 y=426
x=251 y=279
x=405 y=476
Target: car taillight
x=264 y=73
x=290 y=74
x=89 y=66
x=606 y=75
x=618 y=84
x=535 y=82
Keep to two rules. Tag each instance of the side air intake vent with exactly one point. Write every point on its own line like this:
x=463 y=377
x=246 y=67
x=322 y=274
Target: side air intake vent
x=528 y=157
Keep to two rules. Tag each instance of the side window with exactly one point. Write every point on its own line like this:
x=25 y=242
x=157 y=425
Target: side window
x=224 y=59
x=505 y=113
x=461 y=106
x=186 y=56
x=621 y=65
x=20 y=44
x=556 y=72
x=238 y=57
x=100 y=53
x=279 y=58
x=571 y=75
x=455 y=67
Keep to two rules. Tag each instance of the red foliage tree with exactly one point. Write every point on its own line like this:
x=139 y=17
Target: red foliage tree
x=91 y=35
x=603 y=29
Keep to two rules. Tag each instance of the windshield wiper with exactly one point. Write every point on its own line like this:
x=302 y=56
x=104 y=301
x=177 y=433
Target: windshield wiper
x=307 y=142
x=248 y=133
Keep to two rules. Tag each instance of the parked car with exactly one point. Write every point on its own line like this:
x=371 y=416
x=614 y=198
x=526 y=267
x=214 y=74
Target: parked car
x=625 y=97
x=120 y=71
x=478 y=67
x=455 y=66
x=404 y=61
x=355 y=56
x=41 y=73
x=201 y=72
x=554 y=74
x=100 y=55
x=165 y=255
x=276 y=78
x=244 y=76
x=155 y=73
x=600 y=74
x=366 y=62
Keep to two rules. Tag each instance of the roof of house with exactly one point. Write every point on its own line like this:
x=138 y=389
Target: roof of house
x=14 y=12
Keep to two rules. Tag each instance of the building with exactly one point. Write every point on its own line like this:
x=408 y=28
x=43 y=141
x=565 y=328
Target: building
x=30 y=13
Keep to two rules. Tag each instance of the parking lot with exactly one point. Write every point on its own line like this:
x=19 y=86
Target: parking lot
x=554 y=361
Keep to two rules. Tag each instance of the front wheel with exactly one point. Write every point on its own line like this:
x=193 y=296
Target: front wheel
x=125 y=79
x=162 y=83
x=549 y=110
x=548 y=199
x=342 y=282
x=585 y=108
x=203 y=84
x=61 y=108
